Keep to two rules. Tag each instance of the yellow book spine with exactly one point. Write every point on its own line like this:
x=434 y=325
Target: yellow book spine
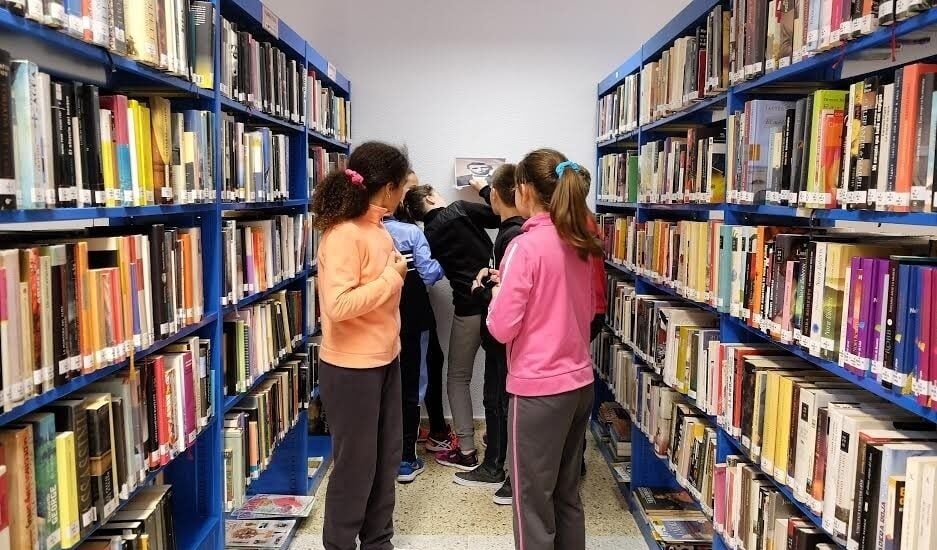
x=702 y=243
x=682 y=345
x=771 y=422
x=108 y=159
x=782 y=441
x=146 y=151
x=67 y=489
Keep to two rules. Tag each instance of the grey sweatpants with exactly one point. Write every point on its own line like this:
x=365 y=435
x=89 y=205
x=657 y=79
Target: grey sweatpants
x=364 y=414
x=464 y=341
x=545 y=442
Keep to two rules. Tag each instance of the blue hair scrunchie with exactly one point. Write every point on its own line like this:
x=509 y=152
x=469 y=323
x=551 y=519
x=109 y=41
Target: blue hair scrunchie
x=561 y=167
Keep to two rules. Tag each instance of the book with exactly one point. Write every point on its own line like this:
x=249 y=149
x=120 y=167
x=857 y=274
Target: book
x=258 y=534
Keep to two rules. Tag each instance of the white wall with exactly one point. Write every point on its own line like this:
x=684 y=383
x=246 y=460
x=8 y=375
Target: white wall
x=484 y=78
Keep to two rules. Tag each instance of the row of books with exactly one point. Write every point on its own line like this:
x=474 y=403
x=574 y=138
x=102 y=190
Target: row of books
x=312 y=307
x=254 y=428
x=256 y=163
x=687 y=169
x=676 y=521
x=71 y=464
x=143 y=523
x=261 y=75
x=63 y=144
x=170 y=35
x=618 y=177
x=868 y=147
x=830 y=443
x=863 y=301
x=329 y=113
x=76 y=306
x=614 y=426
x=257 y=338
x=321 y=163
x=259 y=254
x=618 y=110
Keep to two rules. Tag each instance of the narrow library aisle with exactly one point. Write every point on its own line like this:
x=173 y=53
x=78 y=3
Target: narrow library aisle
x=433 y=513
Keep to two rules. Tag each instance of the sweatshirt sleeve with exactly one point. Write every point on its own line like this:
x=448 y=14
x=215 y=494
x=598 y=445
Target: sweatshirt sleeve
x=506 y=313
x=343 y=294
x=427 y=266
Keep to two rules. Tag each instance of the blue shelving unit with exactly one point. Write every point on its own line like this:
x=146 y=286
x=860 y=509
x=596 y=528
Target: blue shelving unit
x=197 y=474
x=823 y=67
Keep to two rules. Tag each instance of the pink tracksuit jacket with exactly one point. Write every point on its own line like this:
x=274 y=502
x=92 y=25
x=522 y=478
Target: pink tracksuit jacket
x=543 y=312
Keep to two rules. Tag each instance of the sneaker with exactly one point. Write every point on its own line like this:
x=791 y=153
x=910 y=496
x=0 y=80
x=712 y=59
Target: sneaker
x=422 y=435
x=457 y=459
x=480 y=477
x=504 y=496
x=409 y=470
x=435 y=443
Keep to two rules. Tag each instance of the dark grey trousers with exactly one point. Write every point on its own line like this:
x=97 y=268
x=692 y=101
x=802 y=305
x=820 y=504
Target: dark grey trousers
x=363 y=410
x=545 y=439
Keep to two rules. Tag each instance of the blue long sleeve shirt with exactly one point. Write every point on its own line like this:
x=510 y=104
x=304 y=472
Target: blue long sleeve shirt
x=416 y=312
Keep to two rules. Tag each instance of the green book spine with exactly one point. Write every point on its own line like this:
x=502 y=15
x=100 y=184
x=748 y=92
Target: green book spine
x=47 y=499
x=634 y=177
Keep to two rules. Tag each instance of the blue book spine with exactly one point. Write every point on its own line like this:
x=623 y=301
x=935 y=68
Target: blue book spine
x=75 y=23
x=904 y=338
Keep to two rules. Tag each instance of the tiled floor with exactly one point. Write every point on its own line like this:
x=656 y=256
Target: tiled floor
x=433 y=513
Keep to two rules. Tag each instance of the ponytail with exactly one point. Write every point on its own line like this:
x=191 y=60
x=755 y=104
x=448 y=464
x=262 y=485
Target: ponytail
x=562 y=186
x=570 y=214
x=344 y=194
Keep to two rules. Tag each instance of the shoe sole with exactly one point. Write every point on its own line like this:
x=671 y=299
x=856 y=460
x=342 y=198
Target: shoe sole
x=411 y=477
x=436 y=448
x=477 y=484
x=454 y=465
x=503 y=501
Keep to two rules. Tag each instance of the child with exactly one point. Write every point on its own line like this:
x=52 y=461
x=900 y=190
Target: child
x=419 y=346
x=542 y=309
x=457 y=236
x=491 y=472
x=360 y=279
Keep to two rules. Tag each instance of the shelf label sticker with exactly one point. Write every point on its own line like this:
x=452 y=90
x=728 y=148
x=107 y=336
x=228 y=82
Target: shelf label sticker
x=330 y=71
x=270 y=22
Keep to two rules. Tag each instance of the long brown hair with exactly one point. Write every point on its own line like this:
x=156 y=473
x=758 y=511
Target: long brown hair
x=339 y=198
x=564 y=196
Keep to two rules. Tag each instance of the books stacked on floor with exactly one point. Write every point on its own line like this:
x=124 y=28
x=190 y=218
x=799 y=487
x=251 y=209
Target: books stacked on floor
x=144 y=522
x=874 y=150
x=254 y=428
x=248 y=533
x=71 y=464
x=618 y=177
x=614 y=423
x=261 y=75
x=674 y=517
x=259 y=254
x=687 y=169
x=693 y=68
x=321 y=162
x=256 y=162
x=330 y=114
x=275 y=506
x=65 y=144
x=258 y=338
x=618 y=110
x=81 y=305
x=171 y=35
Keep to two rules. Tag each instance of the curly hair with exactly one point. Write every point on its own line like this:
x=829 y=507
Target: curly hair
x=338 y=198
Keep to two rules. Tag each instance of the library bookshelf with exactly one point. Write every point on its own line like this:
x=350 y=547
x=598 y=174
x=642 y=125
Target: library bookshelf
x=795 y=77
x=197 y=474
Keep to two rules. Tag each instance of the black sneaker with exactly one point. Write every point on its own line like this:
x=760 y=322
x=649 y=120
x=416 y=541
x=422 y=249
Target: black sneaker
x=457 y=459
x=480 y=477
x=504 y=496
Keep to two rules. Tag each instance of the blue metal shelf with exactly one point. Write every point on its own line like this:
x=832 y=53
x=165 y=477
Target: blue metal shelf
x=72 y=214
x=907 y=403
x=250 y=12
x=319 y=445
x=679 y=26
x=631 y=65
x=241 y=206
x=72 y=46
x=699 y=112
x=322 y=139
x=257 y=296
x=617 y=205
x=61 y=392
x=872 y=216
x=321 y=66
x=621 y=139
x=259 y=117
x=685 y=207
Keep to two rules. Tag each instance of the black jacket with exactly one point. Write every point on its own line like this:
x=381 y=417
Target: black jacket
x=457 y=236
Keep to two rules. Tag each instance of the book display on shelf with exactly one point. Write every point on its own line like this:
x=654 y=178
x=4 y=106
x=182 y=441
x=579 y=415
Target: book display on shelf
x=115 y=359
x=774 y=357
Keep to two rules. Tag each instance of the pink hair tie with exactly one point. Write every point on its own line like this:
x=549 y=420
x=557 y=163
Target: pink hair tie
x=354 y=177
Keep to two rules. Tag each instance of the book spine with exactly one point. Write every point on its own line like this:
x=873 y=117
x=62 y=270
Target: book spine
x=8 y=184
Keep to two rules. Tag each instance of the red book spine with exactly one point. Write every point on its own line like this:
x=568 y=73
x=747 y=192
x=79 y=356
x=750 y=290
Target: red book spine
x=189 y=389
x=907 y=132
